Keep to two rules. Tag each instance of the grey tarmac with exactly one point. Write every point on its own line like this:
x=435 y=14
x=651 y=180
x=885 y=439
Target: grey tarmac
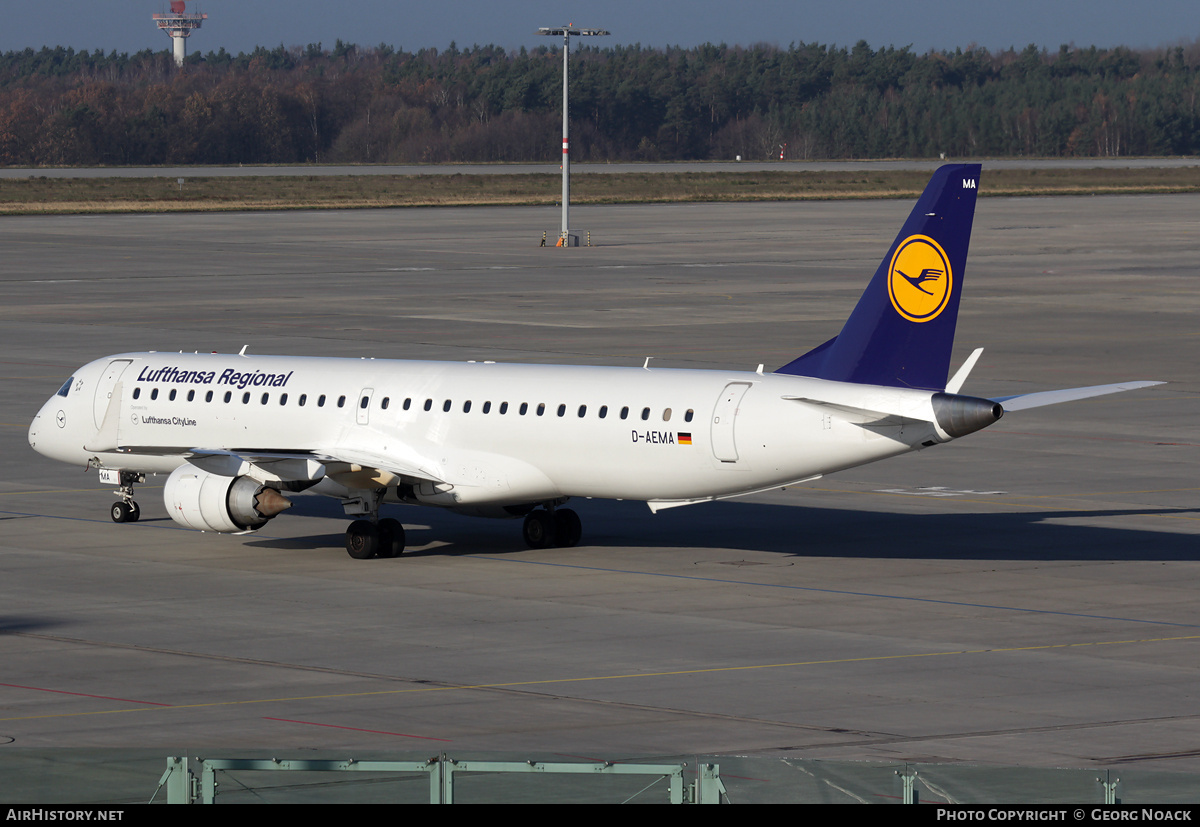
x=1024 y=597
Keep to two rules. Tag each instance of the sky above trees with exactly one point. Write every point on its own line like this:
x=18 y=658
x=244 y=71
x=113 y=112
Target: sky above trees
x=241 y=25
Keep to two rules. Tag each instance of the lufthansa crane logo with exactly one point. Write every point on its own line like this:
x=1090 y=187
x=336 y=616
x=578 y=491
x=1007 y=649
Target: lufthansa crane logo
x=919 y=279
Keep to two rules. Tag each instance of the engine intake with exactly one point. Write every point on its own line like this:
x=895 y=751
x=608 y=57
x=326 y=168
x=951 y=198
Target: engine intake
x=211 y=502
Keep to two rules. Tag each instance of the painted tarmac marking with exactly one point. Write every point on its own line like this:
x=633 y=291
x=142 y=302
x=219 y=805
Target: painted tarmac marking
x=935 y=491
x=80 y=694
x=818 y=590
x=630 y=676
x=359 y=729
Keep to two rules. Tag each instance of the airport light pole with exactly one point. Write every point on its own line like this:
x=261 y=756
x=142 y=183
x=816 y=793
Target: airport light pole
x=565 y=238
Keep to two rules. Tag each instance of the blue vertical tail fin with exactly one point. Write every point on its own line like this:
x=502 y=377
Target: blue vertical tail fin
x=901 y=332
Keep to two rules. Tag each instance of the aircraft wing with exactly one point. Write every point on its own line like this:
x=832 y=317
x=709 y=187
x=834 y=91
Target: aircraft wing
x=364 y=460
x=1023 y=401
x=344 y=464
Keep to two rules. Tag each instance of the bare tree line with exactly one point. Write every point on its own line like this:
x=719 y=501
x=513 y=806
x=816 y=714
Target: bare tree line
x=484 y=104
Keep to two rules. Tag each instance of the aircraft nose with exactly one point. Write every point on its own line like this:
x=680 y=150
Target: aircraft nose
x=48 y=420
x=33 y=431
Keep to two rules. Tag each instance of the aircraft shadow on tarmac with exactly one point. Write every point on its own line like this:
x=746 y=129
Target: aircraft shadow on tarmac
x=23 y=624
x=797 y=531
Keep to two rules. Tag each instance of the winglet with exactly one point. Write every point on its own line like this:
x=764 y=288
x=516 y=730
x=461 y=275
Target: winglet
x=902 y=330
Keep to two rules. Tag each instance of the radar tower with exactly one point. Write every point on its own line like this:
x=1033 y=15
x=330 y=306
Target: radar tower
x=179 y=25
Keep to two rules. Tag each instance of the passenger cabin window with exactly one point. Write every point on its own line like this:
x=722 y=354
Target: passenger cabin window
x=687 y=417
x=341 y=401
x=303 y=398
x=582 y=411
x=136 y=393
x=667 y=415
x=429 y=404
x=266 y=397
x=562 y=409
x=407 y=403
x=364 y=402
x=467 y=406
x=208 y=397
x=154 y=394
x=603 y=411
x=503 y=408
x=171 y=395
x=283 y=399
x=387 y=400
x=645 y=414
x=246 y=398
x=524 y=408
x=625 y=412
x=446 y=406
x=541 y=408
x=487 y=407
x=191 y=395
x=228 y=396
x=321 y=401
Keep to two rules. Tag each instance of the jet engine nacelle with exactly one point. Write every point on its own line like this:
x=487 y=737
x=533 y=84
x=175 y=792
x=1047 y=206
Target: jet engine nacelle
x=211 y=502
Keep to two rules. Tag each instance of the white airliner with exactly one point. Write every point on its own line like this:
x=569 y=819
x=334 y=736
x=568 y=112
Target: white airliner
x=236 y=433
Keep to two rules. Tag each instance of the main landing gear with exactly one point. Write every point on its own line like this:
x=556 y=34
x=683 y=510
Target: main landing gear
x=126 y=511
x=371 y=536
x=543 y=528
x=552 y=527
x=383 y=538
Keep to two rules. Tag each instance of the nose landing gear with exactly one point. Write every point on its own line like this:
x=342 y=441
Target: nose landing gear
x=125 y=511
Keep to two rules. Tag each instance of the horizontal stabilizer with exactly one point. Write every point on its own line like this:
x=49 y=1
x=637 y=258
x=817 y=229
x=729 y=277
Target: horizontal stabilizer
x=1037 y=400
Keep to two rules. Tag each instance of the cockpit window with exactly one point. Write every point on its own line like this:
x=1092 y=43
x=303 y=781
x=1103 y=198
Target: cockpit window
x=66 y=387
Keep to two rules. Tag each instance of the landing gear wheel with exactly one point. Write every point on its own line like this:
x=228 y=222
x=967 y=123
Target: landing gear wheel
x=568 y=529
x=362 y=540
x=125 y=512
x=391 y=538
x=539 y=529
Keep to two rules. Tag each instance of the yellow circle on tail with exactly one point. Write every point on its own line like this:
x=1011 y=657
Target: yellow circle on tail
x=919 y=279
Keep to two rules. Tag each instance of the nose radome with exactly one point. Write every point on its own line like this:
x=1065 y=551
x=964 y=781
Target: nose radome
x=34 y=427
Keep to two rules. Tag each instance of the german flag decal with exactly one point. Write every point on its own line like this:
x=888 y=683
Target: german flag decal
x=685 y=439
